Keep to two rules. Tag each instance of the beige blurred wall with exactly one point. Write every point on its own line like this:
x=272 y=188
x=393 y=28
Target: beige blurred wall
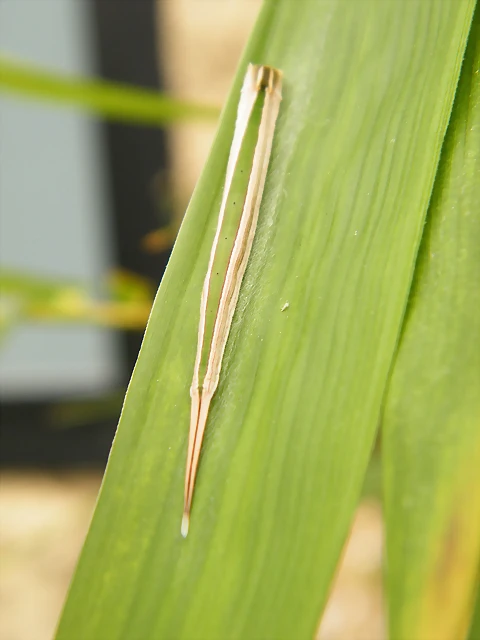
x=44 y=518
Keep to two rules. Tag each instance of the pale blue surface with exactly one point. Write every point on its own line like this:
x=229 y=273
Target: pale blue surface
x=53 y=203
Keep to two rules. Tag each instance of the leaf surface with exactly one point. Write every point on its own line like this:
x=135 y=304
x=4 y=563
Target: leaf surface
x=432 y=415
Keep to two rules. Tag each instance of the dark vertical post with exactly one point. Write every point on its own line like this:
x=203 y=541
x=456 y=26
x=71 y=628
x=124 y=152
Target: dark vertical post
x=127 y=52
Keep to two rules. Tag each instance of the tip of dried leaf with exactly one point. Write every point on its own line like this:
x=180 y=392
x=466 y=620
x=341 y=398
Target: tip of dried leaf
x=185 y=524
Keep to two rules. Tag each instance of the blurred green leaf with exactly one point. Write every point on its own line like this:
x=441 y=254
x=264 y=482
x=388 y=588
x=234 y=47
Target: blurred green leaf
x=32 y=287
x=103 y=98
x=432 y=416
x=125 y=286
x=24 y=296
x=32 y=298
x=369 y=88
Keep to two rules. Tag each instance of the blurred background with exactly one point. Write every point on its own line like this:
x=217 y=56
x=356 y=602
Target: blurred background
x=89 y=208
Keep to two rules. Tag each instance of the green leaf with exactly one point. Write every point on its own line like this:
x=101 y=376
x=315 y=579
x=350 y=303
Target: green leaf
x=474 y=633
x=103 y=98
x=26 y=297
x=22 y=295
x=368 y=90
x=432 y=416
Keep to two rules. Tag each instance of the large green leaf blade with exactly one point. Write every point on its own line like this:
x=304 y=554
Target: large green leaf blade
x=368 y=91
x=432 y=415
